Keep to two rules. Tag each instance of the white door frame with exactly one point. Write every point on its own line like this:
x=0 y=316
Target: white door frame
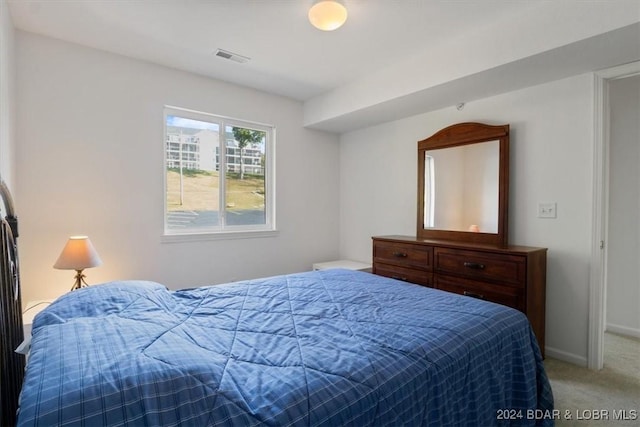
x=598 y=270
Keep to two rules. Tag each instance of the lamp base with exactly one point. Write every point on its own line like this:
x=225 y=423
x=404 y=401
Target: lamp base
x=80 y=282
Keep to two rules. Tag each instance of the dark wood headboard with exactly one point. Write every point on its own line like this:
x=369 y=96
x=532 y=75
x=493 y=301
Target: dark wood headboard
x=12 y=364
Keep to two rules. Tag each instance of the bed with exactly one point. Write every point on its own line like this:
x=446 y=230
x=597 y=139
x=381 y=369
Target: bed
x=11 y=332
x=329 y=347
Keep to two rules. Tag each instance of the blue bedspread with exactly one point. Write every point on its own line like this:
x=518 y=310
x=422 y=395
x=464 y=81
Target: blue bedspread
x=331 y=347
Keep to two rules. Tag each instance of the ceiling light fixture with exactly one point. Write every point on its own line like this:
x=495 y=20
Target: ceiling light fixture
x=327 y=15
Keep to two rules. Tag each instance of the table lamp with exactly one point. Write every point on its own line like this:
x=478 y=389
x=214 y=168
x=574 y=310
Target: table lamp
x=77 y=255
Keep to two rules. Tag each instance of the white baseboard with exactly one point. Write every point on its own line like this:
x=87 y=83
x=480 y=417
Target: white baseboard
x=574 y=359
x=623 y=330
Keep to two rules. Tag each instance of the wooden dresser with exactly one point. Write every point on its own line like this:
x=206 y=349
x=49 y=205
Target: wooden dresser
x=514 y=276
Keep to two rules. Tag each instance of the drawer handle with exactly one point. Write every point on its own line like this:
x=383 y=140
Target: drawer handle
x=474 y=265
x=473 y=295
x=400 y=254
x=404 y=279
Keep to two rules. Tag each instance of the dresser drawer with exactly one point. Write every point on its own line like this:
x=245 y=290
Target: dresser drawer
x=403 y=255
x=405 y=274
x=507 y=269
x=505 y=295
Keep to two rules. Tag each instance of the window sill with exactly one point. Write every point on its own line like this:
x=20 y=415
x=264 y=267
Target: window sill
x=222 y=235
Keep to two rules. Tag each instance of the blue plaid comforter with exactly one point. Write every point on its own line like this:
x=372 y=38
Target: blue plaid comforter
x=332 y=347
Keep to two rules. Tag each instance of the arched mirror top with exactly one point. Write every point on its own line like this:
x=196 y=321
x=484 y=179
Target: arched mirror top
x=463 y=184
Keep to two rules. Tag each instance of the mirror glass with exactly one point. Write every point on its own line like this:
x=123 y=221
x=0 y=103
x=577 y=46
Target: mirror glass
x=463 y=184
x=461 y=187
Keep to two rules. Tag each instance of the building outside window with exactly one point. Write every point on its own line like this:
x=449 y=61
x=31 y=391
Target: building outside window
x=199 y=198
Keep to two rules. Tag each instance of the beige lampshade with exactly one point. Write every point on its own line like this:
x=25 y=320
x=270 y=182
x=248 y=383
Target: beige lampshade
x=327 y=15
x=78 y=254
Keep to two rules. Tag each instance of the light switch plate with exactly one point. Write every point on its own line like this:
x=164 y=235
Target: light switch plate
x=547 y=210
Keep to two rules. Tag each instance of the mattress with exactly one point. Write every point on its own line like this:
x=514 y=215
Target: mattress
x=330 y=347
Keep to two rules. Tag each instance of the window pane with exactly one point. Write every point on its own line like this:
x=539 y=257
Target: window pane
x=245 y=176
x=218 y=174
x=192 y=168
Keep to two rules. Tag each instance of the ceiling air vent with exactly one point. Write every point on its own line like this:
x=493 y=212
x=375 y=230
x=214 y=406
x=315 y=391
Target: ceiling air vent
x=232 y=56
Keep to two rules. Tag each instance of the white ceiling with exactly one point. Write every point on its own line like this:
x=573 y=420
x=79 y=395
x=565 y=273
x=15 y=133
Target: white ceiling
x=288 y=56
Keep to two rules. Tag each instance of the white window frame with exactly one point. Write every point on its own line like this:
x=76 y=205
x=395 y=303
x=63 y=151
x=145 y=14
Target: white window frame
x=430 y=192
x=224 y=231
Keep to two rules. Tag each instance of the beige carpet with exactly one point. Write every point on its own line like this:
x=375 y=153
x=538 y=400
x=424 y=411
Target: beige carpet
x=599 y=398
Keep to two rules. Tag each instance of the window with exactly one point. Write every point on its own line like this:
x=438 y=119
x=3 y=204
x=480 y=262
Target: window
x=211 y=194
x=429 y=191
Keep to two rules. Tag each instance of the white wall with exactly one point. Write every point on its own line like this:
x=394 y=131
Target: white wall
x=551 y=160
x=623 y=269
x=466 y=187
x=448 y=188
x=7 y=97
x=90 y=161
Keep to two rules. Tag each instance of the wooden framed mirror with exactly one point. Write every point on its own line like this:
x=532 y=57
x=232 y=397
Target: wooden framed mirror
x=463 y=184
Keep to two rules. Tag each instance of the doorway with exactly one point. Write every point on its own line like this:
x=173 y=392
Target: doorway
x=615 y=233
